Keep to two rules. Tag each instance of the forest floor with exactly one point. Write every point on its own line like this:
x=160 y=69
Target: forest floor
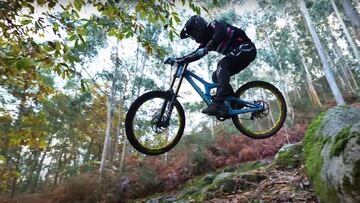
x=259 y=181
x=277 y=186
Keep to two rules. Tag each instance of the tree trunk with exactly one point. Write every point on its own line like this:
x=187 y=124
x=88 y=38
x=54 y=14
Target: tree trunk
x=107 y=140
x=338 y=57
x=88 y=152
x=351 y=13
x=339 y=72
x=32 y=169
x=123 y=151
x=347 y=34
x=56 y=178
x=328 y=74
x=15 y=179
x=313 y=94
x=110 y=101
x=298 y=93
x=279 y=65
x=22 y=112
x=118 y=132
x=141 y=76
x=345 y=65
x=282 y=81
x=113 y=155
x=37 y=175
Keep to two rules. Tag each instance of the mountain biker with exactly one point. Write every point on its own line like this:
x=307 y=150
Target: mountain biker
x=223 y=38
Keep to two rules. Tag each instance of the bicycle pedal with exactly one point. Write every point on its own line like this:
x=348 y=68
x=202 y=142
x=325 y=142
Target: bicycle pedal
x=222 y=116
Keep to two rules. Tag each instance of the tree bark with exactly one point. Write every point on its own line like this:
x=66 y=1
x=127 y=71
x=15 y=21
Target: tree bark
x=118 y=132
x=328 y=73
x=345 y=65
x=283 y=81
x=313 y=94
x=279 y=65
x=347 y=34
x=88 y=152
x=14 y=179
x=56 y=178
x=312 y=91
x=32 y=168
x=141 y=76
x=37 y=175
x=351 y=13
x=123 y=151
x=22 y=112
x=113 y=155
x=107 y=140
x=110 y=101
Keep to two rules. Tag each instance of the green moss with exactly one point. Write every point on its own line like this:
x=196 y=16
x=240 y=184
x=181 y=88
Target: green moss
x=313 y=144
x=249 y=166
x=192 y=194
x=229 y=169
x=213 y=184
x=344 y=107
x=223 y=185
x=200 y=181
x=290 y=158
x=193 y=189
x=207 y=188
x=340 y=142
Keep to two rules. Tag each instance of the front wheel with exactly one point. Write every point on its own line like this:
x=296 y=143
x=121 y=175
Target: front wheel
x=266 y=122
x=155 y=123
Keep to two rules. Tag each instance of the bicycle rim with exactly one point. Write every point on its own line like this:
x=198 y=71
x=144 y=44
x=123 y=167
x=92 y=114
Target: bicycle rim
x=264 y=123
x=150 y=133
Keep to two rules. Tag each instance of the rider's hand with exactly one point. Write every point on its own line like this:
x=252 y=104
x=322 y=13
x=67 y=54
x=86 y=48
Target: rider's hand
x=170 y=61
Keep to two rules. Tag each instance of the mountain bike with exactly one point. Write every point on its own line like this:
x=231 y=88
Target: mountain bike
x=155 y=121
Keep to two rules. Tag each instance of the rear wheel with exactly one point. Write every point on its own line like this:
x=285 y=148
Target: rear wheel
x=263 y=123
x=154 y=126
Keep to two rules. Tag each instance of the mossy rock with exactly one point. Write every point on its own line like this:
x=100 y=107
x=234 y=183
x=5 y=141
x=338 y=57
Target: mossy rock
x=290 y=156
x=332 y=154
x=218 y=183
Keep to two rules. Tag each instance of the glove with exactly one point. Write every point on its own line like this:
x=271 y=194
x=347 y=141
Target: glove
x=170 y=61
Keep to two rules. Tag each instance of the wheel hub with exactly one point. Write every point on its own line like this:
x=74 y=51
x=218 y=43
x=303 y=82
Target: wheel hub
x=159 y=126
x=261 y=113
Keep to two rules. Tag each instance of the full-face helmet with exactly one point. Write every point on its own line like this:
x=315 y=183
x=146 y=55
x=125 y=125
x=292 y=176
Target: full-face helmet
x=194 y=28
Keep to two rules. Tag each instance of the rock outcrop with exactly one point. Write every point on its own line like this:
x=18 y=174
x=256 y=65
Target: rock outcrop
x=332 y=153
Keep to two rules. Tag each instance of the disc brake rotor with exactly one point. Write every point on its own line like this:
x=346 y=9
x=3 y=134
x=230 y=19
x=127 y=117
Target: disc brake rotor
x=159 y=126
x=263 y=112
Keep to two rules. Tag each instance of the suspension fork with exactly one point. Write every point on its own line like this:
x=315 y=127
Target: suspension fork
x=173 y=95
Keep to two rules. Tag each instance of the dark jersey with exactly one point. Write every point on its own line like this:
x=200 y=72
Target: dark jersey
x=223 y=37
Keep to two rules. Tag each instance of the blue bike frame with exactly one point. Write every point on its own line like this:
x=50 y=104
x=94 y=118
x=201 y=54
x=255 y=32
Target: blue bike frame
x=182 y=72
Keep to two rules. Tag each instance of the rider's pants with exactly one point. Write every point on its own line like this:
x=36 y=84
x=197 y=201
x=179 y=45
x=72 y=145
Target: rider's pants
x=234 y=62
